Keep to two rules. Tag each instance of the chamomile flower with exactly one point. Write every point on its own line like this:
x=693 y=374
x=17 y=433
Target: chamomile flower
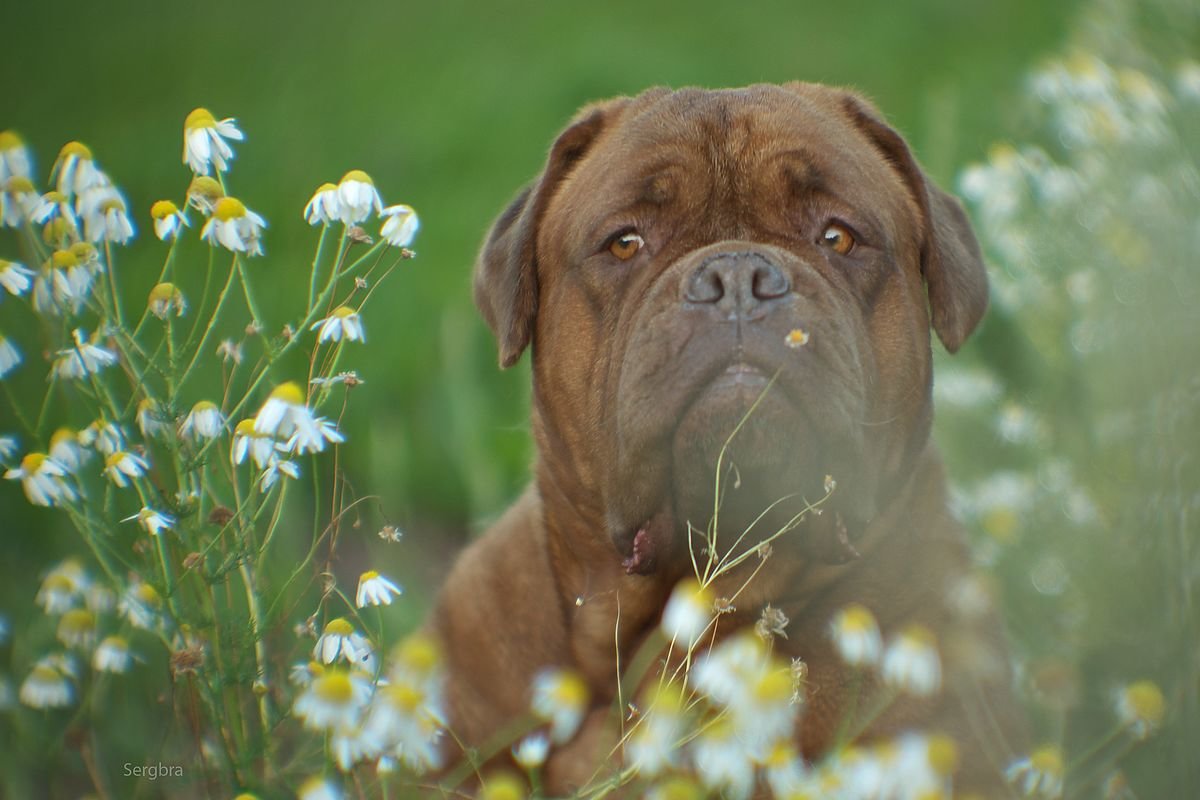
x=42 y=479
x=285 y=416
x=10 y=357
x=234 y=227
x=15 y=278
x=141 y=604
x=1141 y=708
x=653 y=746
x=204 y=141
x=530 y=753
x=404 y=721
x=856 y=636
x=105 y=218
x=688 y=612
x=150 y=418
x=121 y=467
x=205 y=421
x=58 y=593
x=75 y=170
x=154 y=522
x=166 y=299
x=247 y=442
x=334 y=700
x=344 y=321
x=340 y=640
x=276 y=468
x=113 y=655
x=350 y=746
x=357 y=197
x=560 y=697
x=46 y=687
x=85 y=358
x=722 y=761
x=911 y=662
x=77 y=628
x=203 y=193
x=1038 y=775
x=14 y=157
x=103 y=435
x=18 y=200
x=99 y=599
x=56 y=206
x=317 y=788
x=168 y=220
x=66 y=449
x=400 y=225
x=915 y=765
x=8 y=447
x=324 y=207
x=374 y=589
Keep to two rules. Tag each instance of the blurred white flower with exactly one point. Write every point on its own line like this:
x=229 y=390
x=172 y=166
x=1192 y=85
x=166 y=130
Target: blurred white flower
x=204 y=141
x=357 y=197
x=14 y=157
x=205 y=421
x=688 y=612
x=285 y=416
x=722 y=761
x=276 y=468
x=317 y=788
x=77 y=628
x=335 y=699
x=55 y=205
x=150 y=419
x=911 y=662
x=324 y=207
x=165 y=299
x=15 y=278
x=1187 y=81
x=10 y=357
x=261 y=447
x=203 y=193
x=141 y=604
x=653 y=745
x=104 y=216
x=46 y=687
x=403 y=721
x=400 y=225
x=75 y=170
x=18 y=201
x=1140 y=708
x=374 y=589
x=66 y=449
x=343 y=321
x=113 y=655
x=856 y=635
x=86 y=358
x=560 y=697
x=154 y=522
x=531 y=751
x=8 y=447
x=42 y=479
x=99 y=599
x=234 y=227
x=121 y=466
x=168 y=219
x=1038 y=775
x=340 y=640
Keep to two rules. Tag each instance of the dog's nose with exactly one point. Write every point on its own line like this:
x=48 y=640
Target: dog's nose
x=737 y=282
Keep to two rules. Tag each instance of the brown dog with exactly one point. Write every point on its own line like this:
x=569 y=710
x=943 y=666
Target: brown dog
x=671 y=251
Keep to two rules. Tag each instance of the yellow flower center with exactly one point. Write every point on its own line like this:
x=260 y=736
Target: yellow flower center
x=44 y=673
x=918 y=636
x=63 y=259
x=857 y=619
x=339 y=627
x=774 y=687
x=290 y=393
x=19 y=184
x=84 y=251
x=357 y=175
x=334 y=688
x=77 y=620
x=342 y=312
x=1001 y=523
x=569 y=690
x=1145 y=699
x=204 y=186
x=1047 y=760
x=76 y=149
x=245 y=428
x=112 y=204
x=115 y=643
x=796 y=338
x=943 y=754
x=163 y=209
x=58 y=583
x=419 y=653
x=325 y=187
x=32 y=463
x=199 y=118
x=9 y=140
x=503 y=787
x=204 y=406
x=115 y=458
x=54 y=197
x=147 y=594
x=55 y=231
x=405 y=697
x=61 y=435
x=369 y=575
x=228 y=208
x=781 y=755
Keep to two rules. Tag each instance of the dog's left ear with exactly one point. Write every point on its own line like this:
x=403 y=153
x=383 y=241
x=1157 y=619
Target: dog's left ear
x=950 y=258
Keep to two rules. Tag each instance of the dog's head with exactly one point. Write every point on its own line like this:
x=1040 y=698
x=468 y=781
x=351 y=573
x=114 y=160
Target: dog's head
x=690 y=263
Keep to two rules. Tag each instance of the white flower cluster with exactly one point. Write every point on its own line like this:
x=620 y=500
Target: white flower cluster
x=351 y=202
x=284 y=427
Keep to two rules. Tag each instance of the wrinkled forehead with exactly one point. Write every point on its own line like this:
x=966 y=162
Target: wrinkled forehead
x=730 y=141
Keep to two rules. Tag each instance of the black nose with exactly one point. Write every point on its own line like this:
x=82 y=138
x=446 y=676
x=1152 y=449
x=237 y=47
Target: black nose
x=738 y=283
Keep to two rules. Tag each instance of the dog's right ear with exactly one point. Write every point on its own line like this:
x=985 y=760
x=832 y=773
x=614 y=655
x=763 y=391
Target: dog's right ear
x=506 y=283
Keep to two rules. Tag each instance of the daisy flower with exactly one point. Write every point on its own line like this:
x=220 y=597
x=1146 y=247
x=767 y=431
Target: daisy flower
x=154 y=522
x=234 y=227
x=324 y=207
x=77 y=628
x=1039 y=774
x=42 y=479
x=57 y=594
x=14 y=156
x=10 y=357
x=911 y=662
x=856 y=635
x=113 y=655
x=150 y=419
x=203 y=422
x=86 y=358
x=285 y=416
x=403 y=721
x=66 y=450
x=168 y=219
x=654 y=744
x=165 y=299
x=15 y=278
x=276 y=468
x=141 y=604
x=106 y=437
x=334 y=700
x=203 y=193
x=357 y=197
x=104 y=216
x=121 y=466
x=374 y=589
x=1141 y=708
x=530 y=753
x=722 y=761
x=46 y=687
x=261 y=447
x=54 y=208
x=204 y=142
x=400 y=225
x=75 y=170
x=18 y=200
x=344 y=321
x=688 y=612
x=560 y=697
x=340 y=640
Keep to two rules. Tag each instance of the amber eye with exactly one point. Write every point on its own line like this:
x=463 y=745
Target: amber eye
x=838 y=238
x=626 y=246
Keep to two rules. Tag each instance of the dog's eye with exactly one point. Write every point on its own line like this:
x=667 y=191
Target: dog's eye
x=626 y=245
x=838 y=238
